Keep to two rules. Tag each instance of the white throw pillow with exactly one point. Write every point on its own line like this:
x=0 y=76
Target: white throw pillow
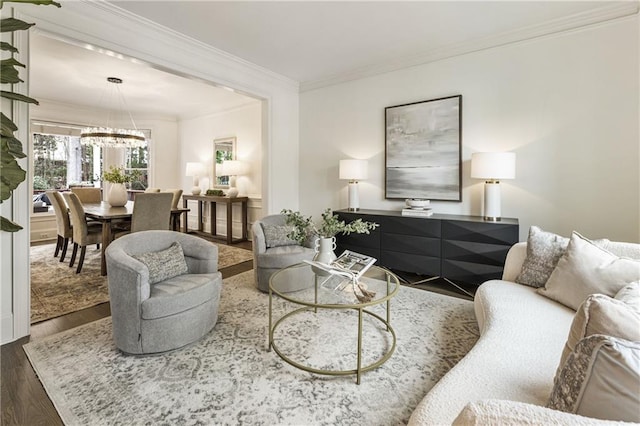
x=600 y=314
x=630 y=294
x=586 y=269
x=600 y=379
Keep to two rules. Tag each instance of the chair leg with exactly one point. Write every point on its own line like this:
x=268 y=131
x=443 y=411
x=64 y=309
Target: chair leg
x=64 y=249
x=58 y=246
x=81 y=260
x=73 y=255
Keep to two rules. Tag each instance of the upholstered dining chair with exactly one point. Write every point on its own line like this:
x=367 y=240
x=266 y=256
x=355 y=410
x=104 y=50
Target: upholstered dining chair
x=63 y=223
x=88 y=195
x=151 y=211
x=152 y=190
x=164 y=289
x=272 y=250
x=177 y=193
x=84 y=233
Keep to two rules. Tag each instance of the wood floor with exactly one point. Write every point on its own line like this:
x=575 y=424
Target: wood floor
x=24 y=401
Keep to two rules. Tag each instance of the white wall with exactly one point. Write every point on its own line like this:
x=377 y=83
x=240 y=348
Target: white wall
x=567 y=104
x=198 y=133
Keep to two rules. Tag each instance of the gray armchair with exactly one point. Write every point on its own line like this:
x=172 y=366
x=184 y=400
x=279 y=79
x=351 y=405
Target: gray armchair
x=267 y=260
x=150 y=318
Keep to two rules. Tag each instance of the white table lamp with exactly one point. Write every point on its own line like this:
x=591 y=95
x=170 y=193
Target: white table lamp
x=353 y=171
x=233 y=168
x=196 y=170
x=493 y=166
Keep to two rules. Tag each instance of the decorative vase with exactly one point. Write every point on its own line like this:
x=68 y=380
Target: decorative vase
x=117 y=195
x=324 y=248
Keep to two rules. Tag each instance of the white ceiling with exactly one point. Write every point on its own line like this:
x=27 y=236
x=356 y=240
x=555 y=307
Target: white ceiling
x=314 y=43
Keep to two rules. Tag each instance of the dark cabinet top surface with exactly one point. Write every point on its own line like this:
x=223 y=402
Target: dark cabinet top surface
x=504 y=220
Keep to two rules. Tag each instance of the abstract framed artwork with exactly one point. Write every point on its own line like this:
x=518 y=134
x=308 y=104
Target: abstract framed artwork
x=423 y=150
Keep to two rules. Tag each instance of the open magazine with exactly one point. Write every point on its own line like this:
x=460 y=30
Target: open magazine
x=352 y=266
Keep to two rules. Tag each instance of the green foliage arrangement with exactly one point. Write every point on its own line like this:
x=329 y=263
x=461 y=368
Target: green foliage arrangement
x=329 y=226
x=118 y=175
x=11 y=174
x=215 y=192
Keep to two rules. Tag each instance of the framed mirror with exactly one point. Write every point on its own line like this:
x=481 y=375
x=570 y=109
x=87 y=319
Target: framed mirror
x=223 y=149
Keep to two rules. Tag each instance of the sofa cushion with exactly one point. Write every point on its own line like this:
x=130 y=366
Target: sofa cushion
x=600 y=314
x=277 y=235
x=281 y=257
x=178 y=294
x=164 y=264
x=506 y=412
x=600 y=379
x=544 y=249
x=586 y=269
x=630 y=294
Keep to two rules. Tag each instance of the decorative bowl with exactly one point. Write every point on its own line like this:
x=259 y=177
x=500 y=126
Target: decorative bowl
x=417 y=203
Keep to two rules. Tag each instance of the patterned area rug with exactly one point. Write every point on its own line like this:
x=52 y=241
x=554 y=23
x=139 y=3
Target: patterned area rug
x=229 y=377
x=56 y=289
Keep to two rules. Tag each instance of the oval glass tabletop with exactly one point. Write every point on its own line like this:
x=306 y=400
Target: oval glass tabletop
x=297 y=284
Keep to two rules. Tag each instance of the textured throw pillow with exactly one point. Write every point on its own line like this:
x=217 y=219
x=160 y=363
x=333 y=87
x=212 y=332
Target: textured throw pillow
x=544 y=249
x=600 y=314
x=164 y=264
x=586 y=269
x=276 y=235
x=630 y=294
x=600 y=379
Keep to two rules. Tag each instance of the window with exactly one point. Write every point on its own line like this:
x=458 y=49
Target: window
x=60 y=161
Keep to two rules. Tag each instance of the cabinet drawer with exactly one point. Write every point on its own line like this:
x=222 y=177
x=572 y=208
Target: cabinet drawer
x=470 y=273
x=480 y=232
x=418 y=264
x=418 y=226
x=466 y=251
x=411 y=244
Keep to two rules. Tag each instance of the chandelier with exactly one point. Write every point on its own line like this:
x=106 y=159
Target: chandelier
x=113 y=137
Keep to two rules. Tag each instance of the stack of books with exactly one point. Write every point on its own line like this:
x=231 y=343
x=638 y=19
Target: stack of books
x=423 y=212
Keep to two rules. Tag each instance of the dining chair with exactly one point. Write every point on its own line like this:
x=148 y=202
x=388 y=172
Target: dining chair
x=84 y=233
x=63 y=223
x=88 y=195
x=177 y=193
x=152 y=190
x=151 y=211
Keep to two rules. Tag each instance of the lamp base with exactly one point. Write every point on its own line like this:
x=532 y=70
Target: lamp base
x=232 y=192
x=196 y=190
x=492 y=201
x=353 y=209
x=354 y=201
x=492 y=219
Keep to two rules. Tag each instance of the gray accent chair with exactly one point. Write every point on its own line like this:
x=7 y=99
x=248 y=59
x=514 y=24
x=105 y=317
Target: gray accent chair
x=151 y=318
x=268 y=260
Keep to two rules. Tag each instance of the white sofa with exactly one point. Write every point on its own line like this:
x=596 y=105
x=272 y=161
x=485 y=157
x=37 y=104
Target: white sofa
x=514 y=361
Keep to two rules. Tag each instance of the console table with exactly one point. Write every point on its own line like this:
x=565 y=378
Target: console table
x=213 y=201
x=463 y=249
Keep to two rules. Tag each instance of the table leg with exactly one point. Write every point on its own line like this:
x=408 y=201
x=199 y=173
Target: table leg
x=184 y=204
x=270 y=315
x=106 y=239
x=200 y=208
x=229 y=222
x=244 y=220
x=214 y=218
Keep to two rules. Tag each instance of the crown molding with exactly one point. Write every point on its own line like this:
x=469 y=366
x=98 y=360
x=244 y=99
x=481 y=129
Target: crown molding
x=555 y=26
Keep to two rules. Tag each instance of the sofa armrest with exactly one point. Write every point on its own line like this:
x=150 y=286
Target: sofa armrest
x=513 y=264
x=496 y=411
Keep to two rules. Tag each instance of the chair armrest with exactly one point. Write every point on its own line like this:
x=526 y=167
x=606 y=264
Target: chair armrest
x=258 y=239
x=201 y=255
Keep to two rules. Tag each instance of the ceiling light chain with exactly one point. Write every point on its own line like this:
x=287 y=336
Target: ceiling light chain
x=113 y=137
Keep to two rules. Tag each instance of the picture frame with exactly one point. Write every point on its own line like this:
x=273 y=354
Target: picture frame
x=223 y=149
x=423 y=150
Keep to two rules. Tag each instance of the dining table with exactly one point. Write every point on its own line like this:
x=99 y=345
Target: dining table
x=108 y=214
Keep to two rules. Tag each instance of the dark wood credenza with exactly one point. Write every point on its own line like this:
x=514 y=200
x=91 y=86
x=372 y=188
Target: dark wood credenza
x=462 y=249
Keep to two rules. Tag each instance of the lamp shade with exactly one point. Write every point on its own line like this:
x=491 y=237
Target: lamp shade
x=493 y=165
x=233 y=168
x=194 y=169
x=353 y=169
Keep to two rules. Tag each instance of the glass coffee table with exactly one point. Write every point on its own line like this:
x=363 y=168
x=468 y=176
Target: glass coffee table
x=320 y=294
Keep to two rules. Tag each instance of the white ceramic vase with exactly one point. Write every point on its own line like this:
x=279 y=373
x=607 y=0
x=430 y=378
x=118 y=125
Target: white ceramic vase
x=324 y=248
x=117 y=195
